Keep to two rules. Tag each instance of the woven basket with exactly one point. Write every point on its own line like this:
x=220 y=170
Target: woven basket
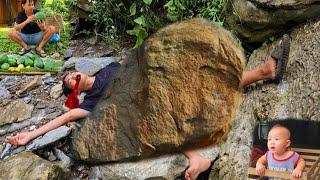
x=56 y=21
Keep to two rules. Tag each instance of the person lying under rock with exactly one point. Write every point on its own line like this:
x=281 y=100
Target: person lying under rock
x=27 y=32
x=272 y=70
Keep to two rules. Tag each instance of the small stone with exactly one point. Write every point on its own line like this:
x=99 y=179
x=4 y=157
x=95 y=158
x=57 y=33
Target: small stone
x=41 y=105
x=6 y=150
x=52 y=157
x=27 y=99
x=1 y=147
x=68 y=54
x=92 y=41
x=18 y=150
x=56 y=91
x=64 y=158
x=53 y=115
x=33 y=127
x=47 y=79
x=49 y=137
x=55 y=55
x=4 y=93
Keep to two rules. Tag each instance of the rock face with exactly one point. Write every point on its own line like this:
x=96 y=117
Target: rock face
x=29 y=166
x=180 y=90
x=164 y=167
x=257 y=20
x=297 y=97
x=15 y=112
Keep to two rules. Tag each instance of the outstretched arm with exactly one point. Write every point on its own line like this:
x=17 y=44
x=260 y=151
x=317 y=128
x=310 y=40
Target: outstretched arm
x=24 y=138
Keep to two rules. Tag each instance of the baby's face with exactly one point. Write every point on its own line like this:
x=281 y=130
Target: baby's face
x=278 y=140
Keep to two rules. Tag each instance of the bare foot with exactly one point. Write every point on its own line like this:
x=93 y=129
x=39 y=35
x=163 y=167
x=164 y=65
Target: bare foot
x=197 y=165
x=270 y=68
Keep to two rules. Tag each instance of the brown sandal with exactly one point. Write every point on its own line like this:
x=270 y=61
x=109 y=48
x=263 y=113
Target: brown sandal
x=281 y=55
x=41 y=52
x=24 y=51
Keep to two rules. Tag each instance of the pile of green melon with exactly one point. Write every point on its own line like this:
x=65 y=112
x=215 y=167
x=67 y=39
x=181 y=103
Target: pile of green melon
x=28 y=63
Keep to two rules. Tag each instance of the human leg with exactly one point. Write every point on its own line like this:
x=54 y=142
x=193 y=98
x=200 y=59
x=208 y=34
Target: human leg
x=14 y=35
x=197 y=164
x=46 y=37
x=266 y=71
x=274 y=67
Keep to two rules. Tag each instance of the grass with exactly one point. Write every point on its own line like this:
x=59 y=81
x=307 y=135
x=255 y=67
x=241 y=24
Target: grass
x=6 y=44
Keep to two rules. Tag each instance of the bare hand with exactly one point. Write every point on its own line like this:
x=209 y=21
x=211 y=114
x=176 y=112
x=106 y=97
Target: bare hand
x=260 y=168
x=296 y=173
x=30 y=18
x=20 y=139
x=41 y=24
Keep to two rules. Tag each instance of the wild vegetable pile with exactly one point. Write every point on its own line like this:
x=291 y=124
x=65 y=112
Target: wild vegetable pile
x=28 y=63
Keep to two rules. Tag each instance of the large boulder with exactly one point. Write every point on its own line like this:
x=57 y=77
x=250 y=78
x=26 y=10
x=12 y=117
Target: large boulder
x=296 y=97
x=27 y=165
x=180 y=90
x=17 y=111
x=257 y=20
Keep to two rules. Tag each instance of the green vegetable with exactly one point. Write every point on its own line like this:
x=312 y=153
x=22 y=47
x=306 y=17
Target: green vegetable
x=40 y=16
x=31 y=56
x=28 y=62
x=3 y=58
x=38 y=63
x=12 y=62
x=48 y=64
x=5 y=66
x=21 y=60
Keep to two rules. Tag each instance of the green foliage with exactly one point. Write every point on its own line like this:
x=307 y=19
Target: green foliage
x=119 y=18
x=56 y=7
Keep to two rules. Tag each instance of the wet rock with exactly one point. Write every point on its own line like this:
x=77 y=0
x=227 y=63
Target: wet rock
x=91 y=66
x=179 y=90
x=17 y=111
x=6 y=150
x=257 y=20
x=64 y=158
x=56 y=91
x=31 y=167
x=4 y=93
x=49 y=138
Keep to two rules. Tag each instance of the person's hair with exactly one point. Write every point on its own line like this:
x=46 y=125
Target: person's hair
x=281 y=126
x=25 y=1
x=66 y=91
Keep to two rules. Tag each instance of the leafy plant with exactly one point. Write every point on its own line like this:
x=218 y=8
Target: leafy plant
x=116 y=19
